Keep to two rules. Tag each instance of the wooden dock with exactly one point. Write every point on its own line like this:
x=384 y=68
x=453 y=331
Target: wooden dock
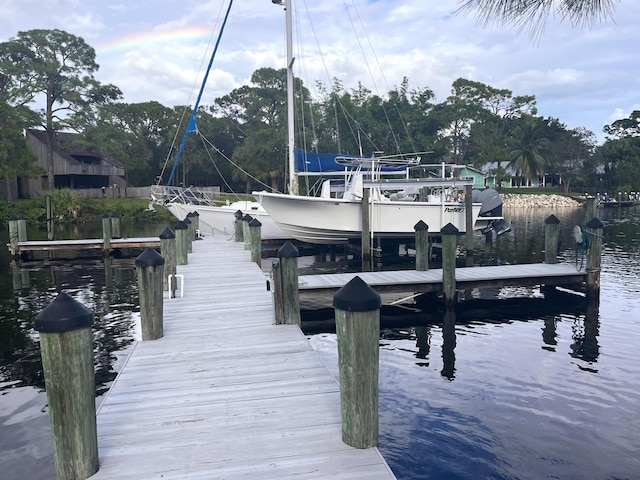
x=562 y=274
x=225 y=393
x=85 y=244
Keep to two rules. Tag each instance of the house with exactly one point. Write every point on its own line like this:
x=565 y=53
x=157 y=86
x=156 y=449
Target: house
x=477 y=175
x=513 y=180
x=74 y=165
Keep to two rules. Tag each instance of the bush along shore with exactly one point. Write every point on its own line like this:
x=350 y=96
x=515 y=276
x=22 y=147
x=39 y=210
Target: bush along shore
x=514 y=200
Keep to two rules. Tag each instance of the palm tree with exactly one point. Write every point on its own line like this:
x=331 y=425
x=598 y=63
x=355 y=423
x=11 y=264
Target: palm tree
x=532 y=14
x=528 y=150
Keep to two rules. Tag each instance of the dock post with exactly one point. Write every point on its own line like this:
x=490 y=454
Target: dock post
x=150 y=268
x=288 y=255
x=49 y=210
x=168 y=252
x=468 y=212
x=195 y=218
x=278 y=305
x=189 y=236
x=246 y=234
x=594 y=228
x=255 y=233
x=238 y=226
x=66 y=347
x=357 y=313
x=366 y=227
x=180 y=229
x=551 y=239
x=22 y=229
x=13 y=236
x=449 y=240
x=592 y=208
x=106 y=234
x=422 y=246
x=115 y=225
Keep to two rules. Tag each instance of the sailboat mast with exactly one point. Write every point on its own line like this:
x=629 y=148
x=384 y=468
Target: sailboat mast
x=293 y=178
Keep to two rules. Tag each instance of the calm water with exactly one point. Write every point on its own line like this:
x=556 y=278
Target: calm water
x=525 y=396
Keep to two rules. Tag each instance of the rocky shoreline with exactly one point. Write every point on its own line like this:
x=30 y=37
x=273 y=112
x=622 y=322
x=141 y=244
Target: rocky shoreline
x=514 y=200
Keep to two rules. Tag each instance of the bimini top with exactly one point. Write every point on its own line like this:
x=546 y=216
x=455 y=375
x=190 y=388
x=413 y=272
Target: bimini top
x=311 y=162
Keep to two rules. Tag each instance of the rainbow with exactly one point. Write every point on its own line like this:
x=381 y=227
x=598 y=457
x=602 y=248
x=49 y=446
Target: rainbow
x=129 y=42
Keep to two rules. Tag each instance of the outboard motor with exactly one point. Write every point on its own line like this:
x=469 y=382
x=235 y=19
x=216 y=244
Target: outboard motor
x=491 y=206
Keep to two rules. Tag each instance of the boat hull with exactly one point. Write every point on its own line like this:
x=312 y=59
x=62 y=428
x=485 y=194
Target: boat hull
x=333 y=221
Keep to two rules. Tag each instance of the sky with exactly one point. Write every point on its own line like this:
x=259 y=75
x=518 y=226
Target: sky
x=158 y=49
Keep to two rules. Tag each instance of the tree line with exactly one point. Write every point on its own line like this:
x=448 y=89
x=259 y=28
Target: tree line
x=241 y=138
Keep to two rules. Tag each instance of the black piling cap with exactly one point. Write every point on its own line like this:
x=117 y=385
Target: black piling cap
x=247 y=218
x=239 y=215
x=167 y=234
x=13 y=217
x=357 y=296
x=195 y=214
x=595 y=223
x=255 y=223
x=115 y=215
x=180 y=225
x=63 y=315
x=149 y=258
x=186 y=221
x=106 y=215
x=421 y=226
x=190 y=215
x=288 y=250
x=552 y=219
x=449 y=229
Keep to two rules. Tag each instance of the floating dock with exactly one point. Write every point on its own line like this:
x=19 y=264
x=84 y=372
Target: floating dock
x=226 y=393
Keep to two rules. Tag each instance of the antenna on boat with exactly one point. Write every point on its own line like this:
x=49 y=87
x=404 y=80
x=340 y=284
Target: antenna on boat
x=293 y=179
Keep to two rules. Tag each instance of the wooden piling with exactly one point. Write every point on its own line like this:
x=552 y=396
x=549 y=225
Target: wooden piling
x=22 y=229
x=594 y=228
x=288 y=255
x=150 y=270
x=246 y=234
x=168 y=252
x=468 y=215
x=195 y=218
x=189 y=237
x=278 y=302
x=357 y=314
x=180 y=229
x=255 y=234
x=106 y=235
x=13 y=236
x=551 y=239
x=49 y=214
x=66 y=347
x=592 y=208
x=449 y=242
x=422 y=246
x=238 y=226
x=115 y=225
x=366 y=226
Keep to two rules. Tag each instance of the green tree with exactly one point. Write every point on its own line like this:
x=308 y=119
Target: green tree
x=59 y=66
x=528 y=149
x=625 y=127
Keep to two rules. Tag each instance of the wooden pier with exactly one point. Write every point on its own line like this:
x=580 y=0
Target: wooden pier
x=226 y=393
x=84 y=244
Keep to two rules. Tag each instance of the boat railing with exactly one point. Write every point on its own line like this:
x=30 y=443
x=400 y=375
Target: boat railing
x=186 y=195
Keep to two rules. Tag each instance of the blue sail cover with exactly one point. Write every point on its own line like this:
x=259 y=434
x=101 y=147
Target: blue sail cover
x=312 y=162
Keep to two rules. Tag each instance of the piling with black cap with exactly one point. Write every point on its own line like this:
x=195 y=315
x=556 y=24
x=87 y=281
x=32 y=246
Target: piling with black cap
x=115 y=225
x=195 y=218
x=357 y=314
x=238 y=226
x=66 y=347
x=168 y=252
x=594 y=228
x=245 y=231
x=13 y=235
x=449 y=242
x=106 y=234
x=255 y=233
x=187 y=221
x=422 y=246
x=150 y=269
x=278 y=301
x=288 y=255
x=181 y=232
x=551 y=239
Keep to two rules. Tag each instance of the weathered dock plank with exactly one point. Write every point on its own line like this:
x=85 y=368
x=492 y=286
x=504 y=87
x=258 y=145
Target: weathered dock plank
x=225 y=393
x=86 y=244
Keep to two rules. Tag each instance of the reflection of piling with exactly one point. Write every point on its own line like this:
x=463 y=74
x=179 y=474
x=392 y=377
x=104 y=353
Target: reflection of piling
x=422 y=341
x=594 y=228
x=66 y=347
x=592 y=208
x=106 y=234
x=255 y=232
x=288 y=255
x=357 y=313
x=180 y=229
x=449 y=242
x=168 y=252
x=551 y=239
x=449 y=343
x=422 y=246
x=150 y=269
x=238 y=227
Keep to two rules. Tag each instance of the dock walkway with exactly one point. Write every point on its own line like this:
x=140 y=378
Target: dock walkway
x=84 y=244
x=225 y=393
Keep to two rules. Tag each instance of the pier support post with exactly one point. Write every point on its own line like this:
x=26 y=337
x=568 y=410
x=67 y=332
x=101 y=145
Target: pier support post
x=592 y=208
x=168 y=252
x=180 y=229
x=278 y=302
x=189 y=235
x=22 y=229
x=594 y=228
x=366 y=228
x=255 y=232
x=551 y=239
x=246 y=234
x=66 y=347
x=238 y=226
x=195 y=218
x=449 y=242
x=468 y=216
x=288 y=255
x=422 y=246
x=13 y=236
x=150 y=269
x=106 y=234
x=49 y=214
x=357 y=313
x=115 y=225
